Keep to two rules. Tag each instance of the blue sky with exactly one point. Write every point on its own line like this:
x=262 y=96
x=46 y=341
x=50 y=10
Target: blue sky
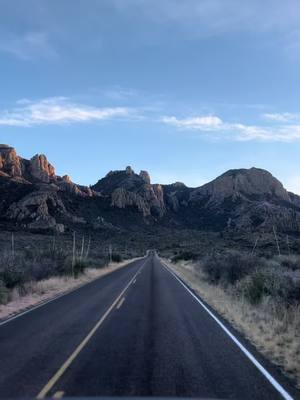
x=183 y=89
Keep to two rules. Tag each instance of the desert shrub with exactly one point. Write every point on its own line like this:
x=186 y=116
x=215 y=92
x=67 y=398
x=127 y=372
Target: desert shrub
x=184 y=255
x=79 y=268
x=291 y=262
x=280 y=288
x=3 y=293
x=229 y=267
x=252 y=287
x=116 y=257
x=12 y=275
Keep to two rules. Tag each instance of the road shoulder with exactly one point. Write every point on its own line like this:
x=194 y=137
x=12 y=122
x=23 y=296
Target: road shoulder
x=232 y=315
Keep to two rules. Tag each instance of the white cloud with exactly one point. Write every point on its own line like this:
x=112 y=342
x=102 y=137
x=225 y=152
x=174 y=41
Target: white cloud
x=235 y=131
x=58 y=110
x=283 y=117
x=207 y=122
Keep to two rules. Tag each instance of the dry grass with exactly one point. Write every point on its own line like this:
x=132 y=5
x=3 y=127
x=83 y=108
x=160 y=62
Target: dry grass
x=33 y=293
x=275 y=332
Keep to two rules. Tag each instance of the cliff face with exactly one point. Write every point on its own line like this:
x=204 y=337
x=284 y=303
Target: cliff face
x=35 y=178
x=33 y=197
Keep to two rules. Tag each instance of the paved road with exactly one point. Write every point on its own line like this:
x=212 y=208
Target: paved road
x=134 y=332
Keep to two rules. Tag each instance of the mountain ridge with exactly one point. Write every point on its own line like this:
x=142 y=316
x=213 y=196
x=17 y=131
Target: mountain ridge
x=33 y=197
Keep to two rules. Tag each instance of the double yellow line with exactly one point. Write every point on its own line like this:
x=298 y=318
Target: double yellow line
x=46 y=389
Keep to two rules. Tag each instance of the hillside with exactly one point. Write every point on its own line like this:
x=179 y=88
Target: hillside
x=34 y=198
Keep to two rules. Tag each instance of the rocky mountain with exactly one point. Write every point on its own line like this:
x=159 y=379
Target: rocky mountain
x=33 y=197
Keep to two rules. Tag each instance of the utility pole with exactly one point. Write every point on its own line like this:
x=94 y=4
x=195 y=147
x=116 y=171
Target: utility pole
x=276 y=239
x=74 y=252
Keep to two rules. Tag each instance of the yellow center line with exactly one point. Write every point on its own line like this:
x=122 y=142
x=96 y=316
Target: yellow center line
x=58 y=395
x=121 y=302
x=43 y=393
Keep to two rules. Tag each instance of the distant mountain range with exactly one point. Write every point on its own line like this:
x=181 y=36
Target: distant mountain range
x=33 y=197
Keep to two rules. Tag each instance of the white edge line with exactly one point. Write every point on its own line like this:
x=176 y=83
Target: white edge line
x=258 y=365
x=53 y=299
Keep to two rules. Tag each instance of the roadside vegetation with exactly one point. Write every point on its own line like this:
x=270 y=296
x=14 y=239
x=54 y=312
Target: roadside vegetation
x=33 y=268
x=259 y=296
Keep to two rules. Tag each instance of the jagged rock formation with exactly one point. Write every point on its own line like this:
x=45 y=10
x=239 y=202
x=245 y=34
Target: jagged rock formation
x=10 y=163
x=33 y=197
x=34 y=208
x=145 y=176
x=41 y=169
x=127 y=189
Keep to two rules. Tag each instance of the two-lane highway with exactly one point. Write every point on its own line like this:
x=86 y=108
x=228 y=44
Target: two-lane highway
x=135 y=332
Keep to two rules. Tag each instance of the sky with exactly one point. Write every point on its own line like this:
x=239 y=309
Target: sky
x=183 y=89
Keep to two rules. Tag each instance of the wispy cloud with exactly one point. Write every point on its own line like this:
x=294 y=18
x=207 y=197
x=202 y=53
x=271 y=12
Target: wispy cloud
x=206 y=122
x=58 y=110
x=217 y=128
x=28 y=45
x=282 y=117
x=219 y=17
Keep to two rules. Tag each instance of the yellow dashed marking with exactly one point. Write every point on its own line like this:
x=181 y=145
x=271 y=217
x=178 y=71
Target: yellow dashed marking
x=121 y=302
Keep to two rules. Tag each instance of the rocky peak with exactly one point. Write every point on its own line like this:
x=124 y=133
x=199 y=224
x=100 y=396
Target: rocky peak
x=129 y=170
x=251 y=183
x=41 y=169
x=67 y=178
x=10 y=163
x=145 y=176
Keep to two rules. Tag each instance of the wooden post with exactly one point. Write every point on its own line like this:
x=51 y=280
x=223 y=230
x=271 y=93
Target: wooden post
x=74 y=252
x=276 y=239
x=13 y=246
x=88 y=248
x=110 y=253
x=254 y=247
x=288 y=244
x=82 y=248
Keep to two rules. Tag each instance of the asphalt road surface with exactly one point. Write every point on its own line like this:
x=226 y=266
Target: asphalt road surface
x=135 y=332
